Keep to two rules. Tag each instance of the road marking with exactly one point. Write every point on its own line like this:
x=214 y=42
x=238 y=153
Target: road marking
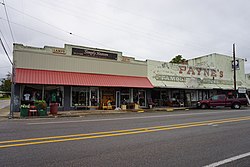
x=74 y=137
x=127 y=118
x=228 y=160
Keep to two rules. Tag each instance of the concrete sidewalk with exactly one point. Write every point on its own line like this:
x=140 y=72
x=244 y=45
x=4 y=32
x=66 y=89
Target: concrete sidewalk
x=4 y=113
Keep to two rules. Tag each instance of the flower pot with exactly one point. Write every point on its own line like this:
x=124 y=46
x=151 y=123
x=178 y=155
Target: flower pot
x=24 y=112
x=53 y=108
x=42 y=112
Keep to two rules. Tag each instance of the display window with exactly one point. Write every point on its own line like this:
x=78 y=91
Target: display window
x=139 y=96
x=30 y=93
x=194 y=96
x=108 y=94
x=125 y=95
x=80 y=96
x=83 y=96
x=54 y=94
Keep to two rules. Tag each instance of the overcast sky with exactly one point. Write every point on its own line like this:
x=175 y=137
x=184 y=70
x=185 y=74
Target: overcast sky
x=144 y=29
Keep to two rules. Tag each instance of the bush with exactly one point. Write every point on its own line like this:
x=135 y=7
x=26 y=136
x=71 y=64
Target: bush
x=40 y=104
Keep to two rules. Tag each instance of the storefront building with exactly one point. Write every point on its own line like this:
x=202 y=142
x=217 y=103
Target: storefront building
x=78 y=77
x=199 y=78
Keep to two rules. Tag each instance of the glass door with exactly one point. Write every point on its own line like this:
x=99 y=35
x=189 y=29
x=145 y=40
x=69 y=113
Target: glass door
x=94 y=96
x=142 y=98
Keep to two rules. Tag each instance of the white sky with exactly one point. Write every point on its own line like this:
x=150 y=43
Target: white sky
x=144 y=29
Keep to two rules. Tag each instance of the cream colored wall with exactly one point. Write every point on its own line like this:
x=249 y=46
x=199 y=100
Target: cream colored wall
x=193 y=75
x=44 y=59
x=223 y=63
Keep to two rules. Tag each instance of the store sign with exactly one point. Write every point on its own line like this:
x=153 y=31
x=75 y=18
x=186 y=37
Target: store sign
x=198 y=71
x=126 y=59
x=58 y=51
x=242 y=90
x=171 y=78
x=94 y=54
x=237 y=65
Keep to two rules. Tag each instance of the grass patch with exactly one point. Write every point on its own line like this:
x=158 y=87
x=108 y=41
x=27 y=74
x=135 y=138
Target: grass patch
x=4 y=98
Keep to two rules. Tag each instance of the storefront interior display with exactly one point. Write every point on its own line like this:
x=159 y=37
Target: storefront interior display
x=32 y=93
x=84 y=96
x=53 y=94
x=139 y=97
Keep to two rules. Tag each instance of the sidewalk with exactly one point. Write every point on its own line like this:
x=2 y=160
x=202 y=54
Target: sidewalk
x=4 y=113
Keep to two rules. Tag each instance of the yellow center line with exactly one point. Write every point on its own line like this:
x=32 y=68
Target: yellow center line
x=116 y=131
x=75 y=137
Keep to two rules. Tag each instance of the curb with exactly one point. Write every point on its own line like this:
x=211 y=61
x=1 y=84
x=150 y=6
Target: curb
x=100 y=112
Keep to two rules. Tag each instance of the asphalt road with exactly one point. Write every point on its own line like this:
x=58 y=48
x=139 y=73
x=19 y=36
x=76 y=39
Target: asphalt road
x=183 y=138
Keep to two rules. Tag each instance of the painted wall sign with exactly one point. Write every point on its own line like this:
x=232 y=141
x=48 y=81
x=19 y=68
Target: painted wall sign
x=94 y=54
x=198 y=71
x=159 y=77
x=170 y=78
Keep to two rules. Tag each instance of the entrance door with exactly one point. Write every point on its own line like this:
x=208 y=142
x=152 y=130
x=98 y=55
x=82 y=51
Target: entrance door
x=117 y=99
x=142 y=98
x=94 y=97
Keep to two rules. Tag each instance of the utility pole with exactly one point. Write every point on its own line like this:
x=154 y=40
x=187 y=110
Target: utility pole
x=12 y=100
x=234 y=68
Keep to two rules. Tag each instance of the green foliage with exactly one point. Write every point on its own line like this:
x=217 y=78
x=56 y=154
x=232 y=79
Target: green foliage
x=41 y=104
x=178 y=59
x=6 y=83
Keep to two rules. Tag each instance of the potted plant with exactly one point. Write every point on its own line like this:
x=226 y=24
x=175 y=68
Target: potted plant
x=24 y=110
x=41 y=107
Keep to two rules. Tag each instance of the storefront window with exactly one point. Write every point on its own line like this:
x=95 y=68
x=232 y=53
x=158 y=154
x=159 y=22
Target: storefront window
x=108 y=94
x=205 y=95
x=125 y=96
x=194 y=96
x=53 y=94
x=200 y=95
x=139 y=96
x=80 y=96
x=30 y=93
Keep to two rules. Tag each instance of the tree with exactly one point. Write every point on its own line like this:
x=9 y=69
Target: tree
x=6 y=83
x=178 y=59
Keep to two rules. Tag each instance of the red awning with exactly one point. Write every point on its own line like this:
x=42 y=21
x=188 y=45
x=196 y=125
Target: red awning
x=30 y=76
